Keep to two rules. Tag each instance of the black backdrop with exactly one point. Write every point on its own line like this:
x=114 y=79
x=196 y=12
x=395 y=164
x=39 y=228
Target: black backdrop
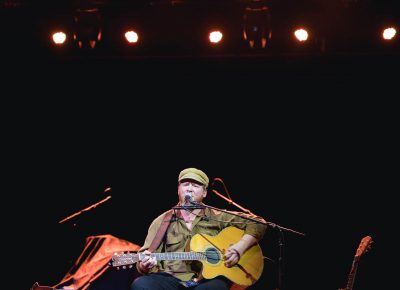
x=319 y=162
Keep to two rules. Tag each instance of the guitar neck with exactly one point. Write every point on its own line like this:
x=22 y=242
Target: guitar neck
x=352 y=274
x=131 y=258
x=187 y=256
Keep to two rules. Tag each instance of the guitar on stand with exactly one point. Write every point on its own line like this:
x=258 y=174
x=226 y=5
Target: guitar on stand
x=364 y=246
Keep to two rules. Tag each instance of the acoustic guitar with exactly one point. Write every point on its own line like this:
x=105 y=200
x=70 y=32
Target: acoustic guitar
x=209 y=250
x=363 y=247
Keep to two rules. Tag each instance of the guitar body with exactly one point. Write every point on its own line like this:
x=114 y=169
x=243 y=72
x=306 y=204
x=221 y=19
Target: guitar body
x=247 y=271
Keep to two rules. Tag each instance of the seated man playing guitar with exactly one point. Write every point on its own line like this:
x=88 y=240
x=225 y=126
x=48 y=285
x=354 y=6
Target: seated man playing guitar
x=198 y=247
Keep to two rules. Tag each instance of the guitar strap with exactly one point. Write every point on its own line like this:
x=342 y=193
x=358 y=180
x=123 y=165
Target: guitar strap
x=161 y=231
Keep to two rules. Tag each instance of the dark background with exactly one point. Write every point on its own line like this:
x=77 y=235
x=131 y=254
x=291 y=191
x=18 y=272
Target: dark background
x=306 y=140
x=327 y=172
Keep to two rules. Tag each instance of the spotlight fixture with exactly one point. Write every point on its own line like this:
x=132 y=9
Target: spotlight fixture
x=88 y=28
x=257 y=24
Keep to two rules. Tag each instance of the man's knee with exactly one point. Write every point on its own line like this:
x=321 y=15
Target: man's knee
x=140 y=283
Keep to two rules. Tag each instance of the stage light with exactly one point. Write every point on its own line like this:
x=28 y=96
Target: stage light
x=131 y=36
x=301 y=34
x=389 y=33
x=257 y=24
x=384 y=34
x=215 y=36
x=59 y=37
x=88 y=27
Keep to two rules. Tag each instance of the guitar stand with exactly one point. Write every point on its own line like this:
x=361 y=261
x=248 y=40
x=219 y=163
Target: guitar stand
x=280 y=261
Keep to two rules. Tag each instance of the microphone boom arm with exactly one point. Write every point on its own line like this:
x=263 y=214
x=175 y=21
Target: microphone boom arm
x=232 y=202
x=273 y=225
x=85 y=209
x=195 y=205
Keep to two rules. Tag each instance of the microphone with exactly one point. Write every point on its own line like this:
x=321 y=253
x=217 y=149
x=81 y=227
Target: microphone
x=188 y=197
x=189 y=203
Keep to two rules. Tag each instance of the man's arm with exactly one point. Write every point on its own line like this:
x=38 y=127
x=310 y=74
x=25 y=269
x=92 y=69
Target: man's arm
x=245 y=243
x=232 y=256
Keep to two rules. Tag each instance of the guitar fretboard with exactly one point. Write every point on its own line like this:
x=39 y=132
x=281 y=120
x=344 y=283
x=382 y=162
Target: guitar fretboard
x=131 y=258
x=352 y=274
x=188 y=256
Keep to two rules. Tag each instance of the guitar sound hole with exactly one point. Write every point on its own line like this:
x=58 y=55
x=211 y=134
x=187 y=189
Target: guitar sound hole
x=212 y=255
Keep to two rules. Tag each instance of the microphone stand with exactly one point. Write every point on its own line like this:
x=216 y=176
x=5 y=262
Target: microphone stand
x=230 y=201
x=87 y=208
x=273 y=225
x=195 y=205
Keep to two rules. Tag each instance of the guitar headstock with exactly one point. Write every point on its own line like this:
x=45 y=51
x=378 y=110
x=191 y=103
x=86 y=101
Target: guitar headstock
x=365 y=246
x=124 y=260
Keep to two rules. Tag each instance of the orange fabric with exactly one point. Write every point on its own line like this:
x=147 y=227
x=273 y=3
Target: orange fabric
x=93 y=261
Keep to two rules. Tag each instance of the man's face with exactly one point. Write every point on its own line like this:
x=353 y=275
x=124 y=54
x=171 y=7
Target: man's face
x=195 y=188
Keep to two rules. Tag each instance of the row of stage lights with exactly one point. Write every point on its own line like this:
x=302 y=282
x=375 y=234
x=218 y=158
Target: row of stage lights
x=256 y=33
